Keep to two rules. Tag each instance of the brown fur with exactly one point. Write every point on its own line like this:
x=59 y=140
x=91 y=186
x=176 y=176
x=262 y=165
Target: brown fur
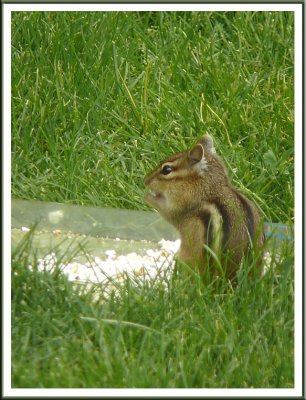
x=197 y=197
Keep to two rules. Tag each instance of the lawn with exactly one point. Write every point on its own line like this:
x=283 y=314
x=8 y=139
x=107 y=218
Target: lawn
x=98 y=99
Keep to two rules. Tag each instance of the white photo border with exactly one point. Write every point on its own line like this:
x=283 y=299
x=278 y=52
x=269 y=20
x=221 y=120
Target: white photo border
x=298 y=9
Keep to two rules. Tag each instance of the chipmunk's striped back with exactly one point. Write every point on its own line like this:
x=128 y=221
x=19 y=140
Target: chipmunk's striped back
x=193 y=192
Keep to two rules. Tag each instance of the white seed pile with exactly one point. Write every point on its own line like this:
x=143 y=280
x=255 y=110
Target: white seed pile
x=116 y=267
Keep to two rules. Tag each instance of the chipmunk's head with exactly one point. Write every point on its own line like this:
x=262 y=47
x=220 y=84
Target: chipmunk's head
x=178 y=184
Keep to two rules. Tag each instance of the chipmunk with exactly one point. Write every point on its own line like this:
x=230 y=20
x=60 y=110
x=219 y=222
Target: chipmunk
x=193 y=192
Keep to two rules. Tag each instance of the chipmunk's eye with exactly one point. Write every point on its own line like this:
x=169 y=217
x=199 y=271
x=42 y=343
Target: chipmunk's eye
x=166 y=170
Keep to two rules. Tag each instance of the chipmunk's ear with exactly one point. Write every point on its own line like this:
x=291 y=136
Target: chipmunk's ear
x=207 y=142
x=196 y=154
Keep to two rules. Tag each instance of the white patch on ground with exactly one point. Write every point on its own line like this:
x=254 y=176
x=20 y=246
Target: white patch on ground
x=115 y=268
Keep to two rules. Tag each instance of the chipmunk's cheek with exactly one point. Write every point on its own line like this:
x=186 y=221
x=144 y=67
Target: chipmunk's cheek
x=154 y=199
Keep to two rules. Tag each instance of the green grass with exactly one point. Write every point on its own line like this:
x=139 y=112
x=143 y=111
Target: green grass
x=162 y=334
x=98 y=99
